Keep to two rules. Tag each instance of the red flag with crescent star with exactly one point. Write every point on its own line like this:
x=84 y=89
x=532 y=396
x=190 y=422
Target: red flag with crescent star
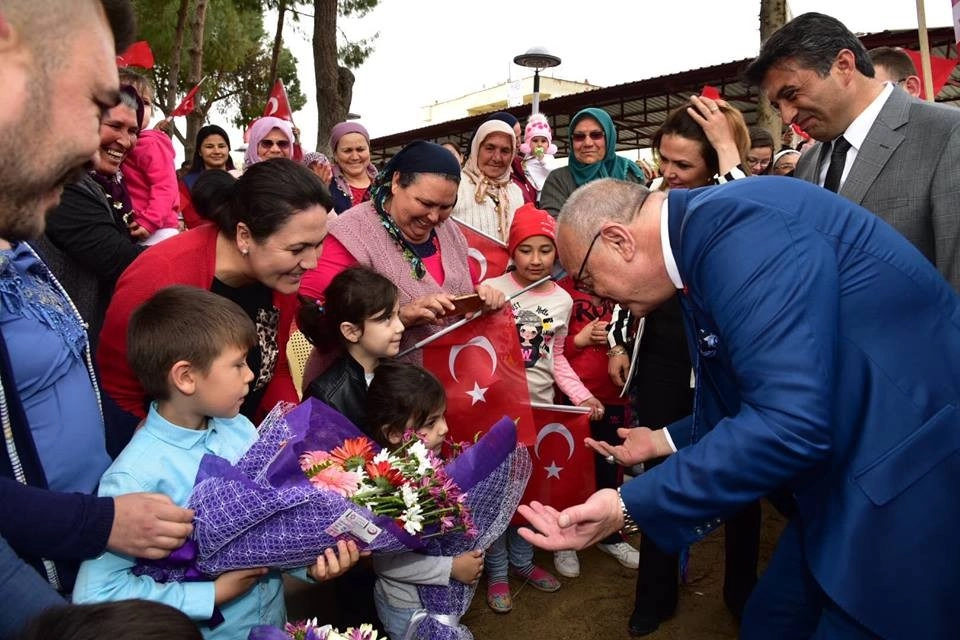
x=188 y=104
x=482 y=372
x=487 y=256
x=278 y=105
x=563 y=466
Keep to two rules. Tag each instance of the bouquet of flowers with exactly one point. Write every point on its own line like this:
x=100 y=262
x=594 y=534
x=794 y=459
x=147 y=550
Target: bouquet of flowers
x=310 y=630
x=311 y=479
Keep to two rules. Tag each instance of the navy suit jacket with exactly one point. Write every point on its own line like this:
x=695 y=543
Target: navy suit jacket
x=829 y=361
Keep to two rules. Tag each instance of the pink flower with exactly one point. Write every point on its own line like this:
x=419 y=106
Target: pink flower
x=333 y=478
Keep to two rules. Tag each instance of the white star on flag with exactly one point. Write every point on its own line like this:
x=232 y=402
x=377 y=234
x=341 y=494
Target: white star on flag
x=476 y=394
x=553 y=471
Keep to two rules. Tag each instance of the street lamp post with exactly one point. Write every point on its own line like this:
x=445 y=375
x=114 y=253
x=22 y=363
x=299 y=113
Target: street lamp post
x=536 y=58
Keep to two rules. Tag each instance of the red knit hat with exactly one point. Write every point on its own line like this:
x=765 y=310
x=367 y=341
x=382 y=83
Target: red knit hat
x=529 y=221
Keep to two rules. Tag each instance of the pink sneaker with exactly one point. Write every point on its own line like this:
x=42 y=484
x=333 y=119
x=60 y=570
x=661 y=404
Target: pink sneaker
x=539 y=579
x=498 y=597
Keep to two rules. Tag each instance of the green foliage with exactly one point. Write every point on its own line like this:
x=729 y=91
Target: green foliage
x=352 y=54
x=236 y=56
x=356 y=8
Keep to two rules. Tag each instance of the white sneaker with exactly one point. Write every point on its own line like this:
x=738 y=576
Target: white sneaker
x=567 y=563
x=623 y=552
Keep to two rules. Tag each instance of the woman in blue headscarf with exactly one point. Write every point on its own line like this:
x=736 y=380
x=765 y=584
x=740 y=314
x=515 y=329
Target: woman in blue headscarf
x=593 y=139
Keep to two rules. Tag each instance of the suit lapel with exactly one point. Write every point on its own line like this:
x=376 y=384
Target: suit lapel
x=882 y=140
x=808 y=167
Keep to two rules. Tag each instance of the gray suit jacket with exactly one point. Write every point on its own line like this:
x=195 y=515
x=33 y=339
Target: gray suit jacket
x=908 y=173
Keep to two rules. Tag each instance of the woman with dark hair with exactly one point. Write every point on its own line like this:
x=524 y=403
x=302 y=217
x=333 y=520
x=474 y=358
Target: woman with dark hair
x=91 y=236
x=402 y=232
x=267 y=235
x=211 y=152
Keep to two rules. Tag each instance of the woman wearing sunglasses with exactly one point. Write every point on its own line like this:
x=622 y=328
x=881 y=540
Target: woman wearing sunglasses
x=269 y=138
x=593 y=139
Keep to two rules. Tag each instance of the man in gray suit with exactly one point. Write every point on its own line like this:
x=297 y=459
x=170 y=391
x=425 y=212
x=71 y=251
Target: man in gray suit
x=879 y=147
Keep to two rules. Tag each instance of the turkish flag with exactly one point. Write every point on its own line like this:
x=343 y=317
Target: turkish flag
x=138 y=54
x=487 y=256
x=563 y=466
x=940 y=70
x=278 y=105
x=481 y=370
x=188 y=104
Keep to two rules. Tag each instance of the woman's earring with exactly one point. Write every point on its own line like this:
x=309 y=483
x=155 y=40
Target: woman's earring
x=244 y=252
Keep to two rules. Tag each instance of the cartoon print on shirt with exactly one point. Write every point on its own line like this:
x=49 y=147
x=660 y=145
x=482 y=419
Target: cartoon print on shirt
x=535 y=329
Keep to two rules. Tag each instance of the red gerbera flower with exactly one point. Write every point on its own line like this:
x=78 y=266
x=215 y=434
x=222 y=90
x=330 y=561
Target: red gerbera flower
x=381 y=472
x=353 y=453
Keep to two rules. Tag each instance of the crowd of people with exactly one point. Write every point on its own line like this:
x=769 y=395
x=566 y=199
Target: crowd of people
x=782 y=312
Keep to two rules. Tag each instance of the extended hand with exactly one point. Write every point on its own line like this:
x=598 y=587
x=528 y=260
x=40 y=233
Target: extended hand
x=335 y=562
x=576 y=527
x=148 y=525
x=639 y=445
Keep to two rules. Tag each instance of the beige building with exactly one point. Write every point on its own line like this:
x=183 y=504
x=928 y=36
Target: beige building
x=500 y=97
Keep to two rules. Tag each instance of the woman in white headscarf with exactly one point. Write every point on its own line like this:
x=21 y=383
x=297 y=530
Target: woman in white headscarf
x=487 y=197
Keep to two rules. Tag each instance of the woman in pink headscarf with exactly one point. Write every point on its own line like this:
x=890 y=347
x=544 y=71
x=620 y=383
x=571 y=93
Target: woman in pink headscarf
x=269 y=138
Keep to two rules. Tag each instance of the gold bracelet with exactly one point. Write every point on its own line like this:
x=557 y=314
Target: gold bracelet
x=618 y=350
x=629 y=527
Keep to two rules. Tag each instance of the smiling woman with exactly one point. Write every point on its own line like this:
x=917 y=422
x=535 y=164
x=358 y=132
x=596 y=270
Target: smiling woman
x=90 y=238
x=269 y=234
x=488 y=197
x=403 y=233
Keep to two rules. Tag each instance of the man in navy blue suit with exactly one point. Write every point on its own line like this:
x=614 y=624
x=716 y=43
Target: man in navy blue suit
x=827 y=353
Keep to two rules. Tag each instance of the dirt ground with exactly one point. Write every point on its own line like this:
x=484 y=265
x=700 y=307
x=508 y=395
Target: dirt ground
x=598 y=603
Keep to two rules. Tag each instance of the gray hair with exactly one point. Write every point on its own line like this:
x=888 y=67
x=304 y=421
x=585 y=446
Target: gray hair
x=599 y=201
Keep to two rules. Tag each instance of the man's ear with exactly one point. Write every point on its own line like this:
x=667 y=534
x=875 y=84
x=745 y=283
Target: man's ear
x=912 y=85
x=351 y=332
x=620 y=239
x=184 y=376
x=845 y=63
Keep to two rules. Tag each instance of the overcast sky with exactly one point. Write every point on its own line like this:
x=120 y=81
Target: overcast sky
x=605 y=42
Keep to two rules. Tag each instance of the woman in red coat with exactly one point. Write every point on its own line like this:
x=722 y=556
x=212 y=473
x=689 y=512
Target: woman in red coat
x=268 y=233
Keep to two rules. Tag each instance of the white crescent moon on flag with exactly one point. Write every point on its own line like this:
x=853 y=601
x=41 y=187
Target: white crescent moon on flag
x=481 y=259
x=479 y=341
x=554 y=427
x=273 y=105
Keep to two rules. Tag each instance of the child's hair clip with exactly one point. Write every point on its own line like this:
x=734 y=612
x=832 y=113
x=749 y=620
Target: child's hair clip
x=319 y=306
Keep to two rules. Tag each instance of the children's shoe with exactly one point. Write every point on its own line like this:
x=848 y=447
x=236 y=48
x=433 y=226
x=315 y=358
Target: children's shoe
x=498 y=597
x=623 y=552
x=538 y=578
x=567 y=563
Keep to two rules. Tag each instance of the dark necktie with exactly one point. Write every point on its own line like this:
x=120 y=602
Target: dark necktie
x=838 y=157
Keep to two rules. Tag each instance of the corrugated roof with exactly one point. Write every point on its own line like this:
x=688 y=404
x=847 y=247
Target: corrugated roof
x=638 y=108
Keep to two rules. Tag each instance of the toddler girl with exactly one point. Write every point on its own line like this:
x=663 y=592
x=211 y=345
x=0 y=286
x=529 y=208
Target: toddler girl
x=538 y=150
x=407 y=397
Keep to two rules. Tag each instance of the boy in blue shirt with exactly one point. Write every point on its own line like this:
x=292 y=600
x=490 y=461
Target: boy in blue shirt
x=188 y=348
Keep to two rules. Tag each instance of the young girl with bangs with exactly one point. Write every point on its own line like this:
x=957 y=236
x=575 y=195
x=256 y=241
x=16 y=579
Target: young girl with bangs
x=360 y=319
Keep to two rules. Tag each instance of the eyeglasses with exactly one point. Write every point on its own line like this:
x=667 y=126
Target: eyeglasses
x=580 y=136
x=281 y=144
x=578 y=283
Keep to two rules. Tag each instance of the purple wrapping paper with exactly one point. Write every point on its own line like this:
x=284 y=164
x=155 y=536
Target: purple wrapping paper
x=263 y=511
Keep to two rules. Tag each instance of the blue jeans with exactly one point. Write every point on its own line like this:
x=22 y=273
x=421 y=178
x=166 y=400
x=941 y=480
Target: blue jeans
x=23 y=591
x=394 y=619
x=509 y=545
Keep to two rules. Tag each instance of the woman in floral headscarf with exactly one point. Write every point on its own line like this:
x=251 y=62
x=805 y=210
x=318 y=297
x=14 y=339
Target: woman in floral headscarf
x=402 y=232
x=593 y=139
x=487 y=196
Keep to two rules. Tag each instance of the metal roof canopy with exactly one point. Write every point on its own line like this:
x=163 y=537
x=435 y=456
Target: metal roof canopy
x=639 y=108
